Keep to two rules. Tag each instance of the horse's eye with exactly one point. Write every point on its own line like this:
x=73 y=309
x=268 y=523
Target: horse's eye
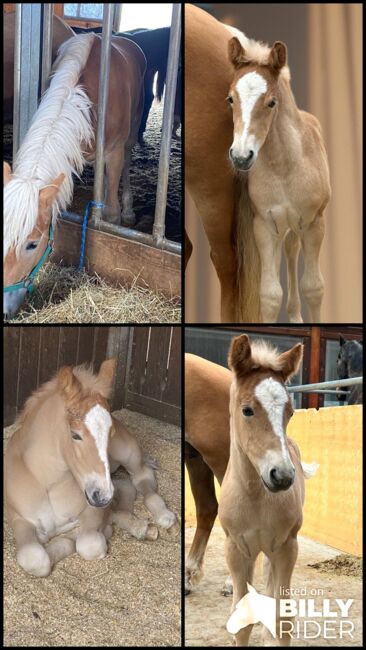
x=75 y=436
x=247 y=411
x=31 y=245
x=230 y=99
x=272 y=103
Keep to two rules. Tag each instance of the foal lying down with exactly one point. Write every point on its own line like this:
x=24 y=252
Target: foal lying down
x=60 y=497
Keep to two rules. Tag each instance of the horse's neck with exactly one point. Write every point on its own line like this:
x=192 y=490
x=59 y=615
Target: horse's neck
x=284 y=135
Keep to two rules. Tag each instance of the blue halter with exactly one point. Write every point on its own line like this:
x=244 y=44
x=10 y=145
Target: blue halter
x=27 y=282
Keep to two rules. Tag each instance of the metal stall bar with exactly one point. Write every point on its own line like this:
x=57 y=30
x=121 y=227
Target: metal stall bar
x=27 y=54
x=47 y=45
x=305 y=388
x=117 y=16
x=102 y=110
x=127 y=233
x=166 y=137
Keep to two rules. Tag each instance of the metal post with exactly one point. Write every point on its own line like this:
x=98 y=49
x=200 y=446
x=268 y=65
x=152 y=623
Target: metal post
x=166 y=137
x=47 y=45
x=26 y=68
x=352 y=381
x=102 y=110
x=117 y=16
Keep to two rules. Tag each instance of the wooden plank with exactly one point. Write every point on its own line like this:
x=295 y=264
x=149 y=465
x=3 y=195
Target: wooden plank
x=48 y=354
x=86 y=344
x=153 y=408
x=8 y=8
x=68 y=346
x=100 y=346
x=119 y=260
x=29 y=362
x=137 y=367
x=58 y=9
x=118 y=341
x=157 y=363
x=11 y=363
x=172 y=391
x=314 y=364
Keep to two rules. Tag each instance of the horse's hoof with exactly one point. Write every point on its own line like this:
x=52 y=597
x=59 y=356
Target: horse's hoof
x=128 y=219
x=152 y=533
x=186 y=591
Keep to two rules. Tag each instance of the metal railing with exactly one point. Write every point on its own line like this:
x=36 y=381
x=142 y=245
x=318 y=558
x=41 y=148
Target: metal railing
x=28 y=55
x=326 y=386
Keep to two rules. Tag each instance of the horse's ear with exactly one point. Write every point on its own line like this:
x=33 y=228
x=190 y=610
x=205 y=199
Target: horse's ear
x=277 y=56
x=68 y=384
x=341 y=340
x=237 y=54
x=7 y=173
x=289 y=361
x=107 y=373
x=240 y=356
x=48 y=194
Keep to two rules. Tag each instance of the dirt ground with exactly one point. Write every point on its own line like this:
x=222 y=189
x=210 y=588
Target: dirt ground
x=207 y=611
x=131 y=598
x=144 y=176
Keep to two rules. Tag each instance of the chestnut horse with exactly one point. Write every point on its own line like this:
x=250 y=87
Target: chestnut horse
x=60 y=141
x=211 y=180
x=58 y=466
x=281 y=150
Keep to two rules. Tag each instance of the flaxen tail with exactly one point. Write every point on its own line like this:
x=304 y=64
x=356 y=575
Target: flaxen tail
x=248 y=261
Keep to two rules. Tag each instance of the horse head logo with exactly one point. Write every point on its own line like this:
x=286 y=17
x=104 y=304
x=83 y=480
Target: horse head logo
x=253 y=608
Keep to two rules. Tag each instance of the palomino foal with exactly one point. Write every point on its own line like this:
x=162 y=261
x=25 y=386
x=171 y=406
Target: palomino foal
x=58 y=467
x=262 y=493
x=282 y=149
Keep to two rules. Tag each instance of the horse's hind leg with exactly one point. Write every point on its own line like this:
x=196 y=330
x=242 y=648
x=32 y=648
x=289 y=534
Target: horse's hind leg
x=292 y=249
x=188 y=248
x=203 y=489
x=123 y=505
x=312 y=283
x=114 y=163
x=128 y=215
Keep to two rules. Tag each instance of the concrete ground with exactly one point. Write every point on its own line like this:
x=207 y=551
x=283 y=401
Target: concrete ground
x=131 y=598
x=207 y=611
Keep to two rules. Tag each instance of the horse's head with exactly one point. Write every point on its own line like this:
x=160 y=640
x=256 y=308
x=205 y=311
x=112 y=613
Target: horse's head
x=88 y=429
x=260 y=407
x=254 y=96
x=22 y=256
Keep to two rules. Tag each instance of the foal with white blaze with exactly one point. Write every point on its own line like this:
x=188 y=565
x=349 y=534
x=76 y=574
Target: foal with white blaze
x=58 y=467
x=282 y=150
x=262 y=493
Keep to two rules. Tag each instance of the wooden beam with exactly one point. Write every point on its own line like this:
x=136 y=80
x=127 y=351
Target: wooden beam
x=314 y=364
x=119 y=260
x=58 y=9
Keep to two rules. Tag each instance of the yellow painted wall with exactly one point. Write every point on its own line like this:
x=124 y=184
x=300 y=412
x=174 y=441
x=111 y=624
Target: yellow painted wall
x=333 y=505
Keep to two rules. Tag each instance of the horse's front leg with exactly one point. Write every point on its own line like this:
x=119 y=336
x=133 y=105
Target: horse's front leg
x=114 y=163
x=312 y=283
x=283 y=563
x=292 y=250
x=32 y=556
x=241 y=569
x=269 y=244
x=123 y=506
x=91 y=543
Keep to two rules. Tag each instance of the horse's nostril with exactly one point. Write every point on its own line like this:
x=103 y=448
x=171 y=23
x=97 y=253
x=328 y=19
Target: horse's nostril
x=250 y=155
x=96 y=495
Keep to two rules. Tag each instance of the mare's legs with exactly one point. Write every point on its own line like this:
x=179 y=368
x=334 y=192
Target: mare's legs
x=128 y=453
x=91 y=543
x=114 y=163
x=188 y=248
x=312 y=283
x=203 y=489
x=128 y=215
x=32 y=556
x=269 y=244
x=283 y=563
x=148 y=100
x=292 y=249
x=241 y=570
x=123 y=505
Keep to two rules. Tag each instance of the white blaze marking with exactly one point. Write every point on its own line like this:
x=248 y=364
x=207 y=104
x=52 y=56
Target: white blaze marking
x=249 y=88
x=99 y=422
x=273 y=397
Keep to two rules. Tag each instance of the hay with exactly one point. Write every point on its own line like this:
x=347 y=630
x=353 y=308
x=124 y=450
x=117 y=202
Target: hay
x=344 y=564
x=65 y=295
x=131 y=598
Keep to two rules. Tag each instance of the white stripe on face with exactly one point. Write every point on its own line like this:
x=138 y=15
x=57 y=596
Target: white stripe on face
x=273 y=397
x=99 y=422
x=249 y=88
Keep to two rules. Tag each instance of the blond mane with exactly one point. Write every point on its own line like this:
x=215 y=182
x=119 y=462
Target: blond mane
x=265 y=355
x=91 y=383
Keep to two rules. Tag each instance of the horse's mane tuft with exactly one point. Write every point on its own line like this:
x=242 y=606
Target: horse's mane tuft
x=265 y=355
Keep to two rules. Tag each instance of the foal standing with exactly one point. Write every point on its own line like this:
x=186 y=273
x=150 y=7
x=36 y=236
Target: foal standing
x=262 y=493
x=282 y=149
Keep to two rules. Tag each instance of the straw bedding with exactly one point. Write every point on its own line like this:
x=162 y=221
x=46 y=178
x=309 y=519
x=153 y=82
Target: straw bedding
x=65 y=295
x=131 y=598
